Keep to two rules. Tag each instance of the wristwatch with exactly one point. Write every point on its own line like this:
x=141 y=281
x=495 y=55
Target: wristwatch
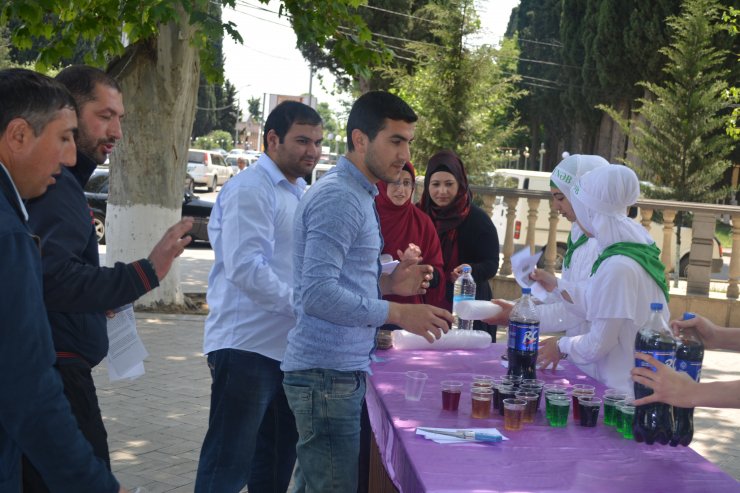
x=562 y=354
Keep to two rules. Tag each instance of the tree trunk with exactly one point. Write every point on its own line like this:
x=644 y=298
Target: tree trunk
x=611 y=141
x=159 y=79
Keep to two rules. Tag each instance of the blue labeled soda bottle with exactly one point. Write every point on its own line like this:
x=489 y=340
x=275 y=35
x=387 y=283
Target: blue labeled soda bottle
x=689 y=357
x=654 y=422
x=524 y=336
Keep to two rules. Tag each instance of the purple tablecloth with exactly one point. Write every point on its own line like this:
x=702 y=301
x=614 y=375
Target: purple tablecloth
x=536 y=459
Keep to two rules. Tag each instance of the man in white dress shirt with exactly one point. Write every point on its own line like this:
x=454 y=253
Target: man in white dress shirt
x=252 y=434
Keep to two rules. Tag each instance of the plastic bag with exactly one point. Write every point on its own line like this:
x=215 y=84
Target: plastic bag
x=454 y=339
x=477 y=309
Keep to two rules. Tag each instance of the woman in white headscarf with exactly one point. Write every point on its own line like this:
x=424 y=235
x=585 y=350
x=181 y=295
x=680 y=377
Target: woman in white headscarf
x=580 y=254
x=626 y=277
x=581 y=251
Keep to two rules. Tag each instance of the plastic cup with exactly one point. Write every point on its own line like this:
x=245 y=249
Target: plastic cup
x=451 y=391
x=578 y=390
x=533 y=381
x=589 y=412
x=514 y=414
x=515 y=380
x=556 y=390
x=504 y=392
x=626 y=418
x=415 y=381
x=482 y=381
x=559 y=409
x=535 y=388
x=481 y=398
x=610 y=407
x=496 y=400
x=531 y=408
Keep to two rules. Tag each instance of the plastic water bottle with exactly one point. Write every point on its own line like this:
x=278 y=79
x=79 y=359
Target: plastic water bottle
x=689 y=357
x=464 y=290
x=654 y=422
x=524 y=337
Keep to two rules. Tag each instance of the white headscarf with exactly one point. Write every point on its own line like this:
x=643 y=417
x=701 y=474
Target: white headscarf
x=569 y=170
x=600 y=200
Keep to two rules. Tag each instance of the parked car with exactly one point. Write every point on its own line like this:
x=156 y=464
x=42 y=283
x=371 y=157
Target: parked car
x=208 y=168
x=96 y=192
x=231 y=161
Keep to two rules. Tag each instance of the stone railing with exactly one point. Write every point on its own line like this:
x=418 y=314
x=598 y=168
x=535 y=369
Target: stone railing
x=702 y=247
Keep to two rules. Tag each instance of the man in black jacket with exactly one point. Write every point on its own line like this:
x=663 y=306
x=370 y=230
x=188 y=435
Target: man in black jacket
x=77 y=290
x=37 y=124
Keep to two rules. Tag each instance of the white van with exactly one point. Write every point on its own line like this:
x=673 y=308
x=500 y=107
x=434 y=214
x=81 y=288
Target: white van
x=540 y=181
x=527 y=180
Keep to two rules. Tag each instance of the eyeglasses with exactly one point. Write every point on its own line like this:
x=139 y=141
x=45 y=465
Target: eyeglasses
x=398 y=184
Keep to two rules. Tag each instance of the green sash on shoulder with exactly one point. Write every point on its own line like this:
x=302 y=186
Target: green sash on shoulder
x=648 y=256
x=571 y=247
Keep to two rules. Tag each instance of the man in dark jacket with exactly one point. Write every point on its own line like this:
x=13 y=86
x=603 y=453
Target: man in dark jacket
x=77 y=290
x=37 y=124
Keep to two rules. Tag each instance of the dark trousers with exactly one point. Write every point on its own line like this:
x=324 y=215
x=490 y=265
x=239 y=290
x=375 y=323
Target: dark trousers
x=252 y=434
x=79 y=388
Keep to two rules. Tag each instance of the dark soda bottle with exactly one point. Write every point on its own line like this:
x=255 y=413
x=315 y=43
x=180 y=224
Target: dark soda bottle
x=689 y=357
x=524 y=336
x=654 y=422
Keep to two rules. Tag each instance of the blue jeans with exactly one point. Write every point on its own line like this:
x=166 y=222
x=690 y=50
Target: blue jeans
x=251 y=434
x=327 y=406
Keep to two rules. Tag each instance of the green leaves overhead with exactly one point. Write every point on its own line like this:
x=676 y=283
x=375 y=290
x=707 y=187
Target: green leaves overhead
x=111 y=25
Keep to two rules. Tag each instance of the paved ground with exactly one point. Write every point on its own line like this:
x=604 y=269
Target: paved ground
x=156 y=424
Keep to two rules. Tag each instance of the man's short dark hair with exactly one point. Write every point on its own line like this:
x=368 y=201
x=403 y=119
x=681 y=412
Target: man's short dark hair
x=285 y=115
x=32 y=96
x=81 y=81
x=370 y=111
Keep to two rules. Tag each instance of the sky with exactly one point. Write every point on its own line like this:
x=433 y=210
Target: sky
x=269 y=62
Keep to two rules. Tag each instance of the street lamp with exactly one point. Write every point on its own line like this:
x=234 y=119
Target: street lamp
x=542 y=153
x=338 y=139
x=249 y=139
x=525 y=155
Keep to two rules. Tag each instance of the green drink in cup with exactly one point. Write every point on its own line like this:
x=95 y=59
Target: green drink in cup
x=610 y=407
x=627 y=411
x=626 y=417
x=559 y=409
x=553 y=389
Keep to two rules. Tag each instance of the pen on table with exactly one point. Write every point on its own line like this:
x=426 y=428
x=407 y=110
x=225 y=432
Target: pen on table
x=466 y=435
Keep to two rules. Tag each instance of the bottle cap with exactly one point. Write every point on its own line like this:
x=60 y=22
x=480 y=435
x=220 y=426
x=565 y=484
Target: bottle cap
x=688 y=315
x=526 y=290
x=467 y=269
x=656 y=306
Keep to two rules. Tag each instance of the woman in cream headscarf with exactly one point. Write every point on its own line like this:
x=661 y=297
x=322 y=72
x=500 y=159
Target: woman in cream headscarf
x=626 y=277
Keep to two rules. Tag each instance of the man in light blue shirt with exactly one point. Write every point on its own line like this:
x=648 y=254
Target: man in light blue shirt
x=337 y=291
x=251 y=431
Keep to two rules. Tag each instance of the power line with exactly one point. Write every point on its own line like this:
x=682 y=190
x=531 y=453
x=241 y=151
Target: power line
x=532 y=41
x=402 y=14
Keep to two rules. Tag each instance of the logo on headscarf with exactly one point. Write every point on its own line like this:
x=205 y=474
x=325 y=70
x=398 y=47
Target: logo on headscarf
x=563 y=176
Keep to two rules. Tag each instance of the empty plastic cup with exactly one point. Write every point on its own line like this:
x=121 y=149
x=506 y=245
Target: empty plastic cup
x=415 y=381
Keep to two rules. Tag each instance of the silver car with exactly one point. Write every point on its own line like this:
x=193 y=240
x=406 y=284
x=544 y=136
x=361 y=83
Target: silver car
x=208 y=168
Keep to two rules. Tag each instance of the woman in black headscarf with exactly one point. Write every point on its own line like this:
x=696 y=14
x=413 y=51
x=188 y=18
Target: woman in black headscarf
x=466 y=233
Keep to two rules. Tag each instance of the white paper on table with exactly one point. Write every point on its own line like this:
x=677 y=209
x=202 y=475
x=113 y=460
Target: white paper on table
x=448 y=439
x=522 y=265
x=132 y=374
x=125 y=349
